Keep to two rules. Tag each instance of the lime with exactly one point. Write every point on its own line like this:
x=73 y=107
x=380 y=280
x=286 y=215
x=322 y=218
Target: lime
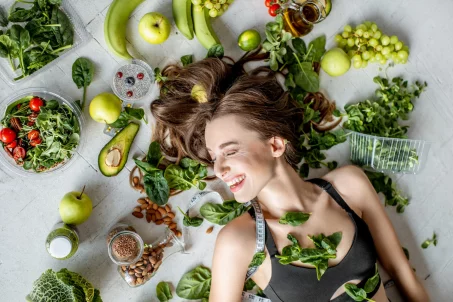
x=249 y=40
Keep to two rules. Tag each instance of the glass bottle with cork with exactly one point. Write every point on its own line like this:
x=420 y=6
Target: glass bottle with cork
x=300 y=17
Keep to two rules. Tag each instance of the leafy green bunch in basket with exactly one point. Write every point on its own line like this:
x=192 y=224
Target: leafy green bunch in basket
x=47 y=32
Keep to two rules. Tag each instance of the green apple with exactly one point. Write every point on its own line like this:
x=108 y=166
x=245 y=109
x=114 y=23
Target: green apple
x=335 y=62
x=75 y=207
x=154 y=28
x=105 y=108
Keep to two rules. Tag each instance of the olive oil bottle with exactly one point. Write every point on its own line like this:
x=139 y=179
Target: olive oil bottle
x=299 y=18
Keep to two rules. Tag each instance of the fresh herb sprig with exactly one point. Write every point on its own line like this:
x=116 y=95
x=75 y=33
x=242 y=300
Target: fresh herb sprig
x=428 y=242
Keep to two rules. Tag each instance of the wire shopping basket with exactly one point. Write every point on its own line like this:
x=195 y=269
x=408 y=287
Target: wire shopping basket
x=385 y=154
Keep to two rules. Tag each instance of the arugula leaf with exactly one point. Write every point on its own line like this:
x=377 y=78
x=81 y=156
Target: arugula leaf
x=191 y=221
x=221 y=214
x=163 y=292
x=186 y=60
x=258 y=259
x=216 y=51
x=195 y=284
x=82 y=75
x=294 y=218
x=428 y=242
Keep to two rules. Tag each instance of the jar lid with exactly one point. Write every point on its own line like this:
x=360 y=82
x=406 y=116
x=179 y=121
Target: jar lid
x=60 y=247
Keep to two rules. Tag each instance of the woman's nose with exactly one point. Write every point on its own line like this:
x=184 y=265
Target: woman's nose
x=220 y=169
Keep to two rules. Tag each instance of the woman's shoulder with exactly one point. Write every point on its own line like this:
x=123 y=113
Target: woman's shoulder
x=240 y=233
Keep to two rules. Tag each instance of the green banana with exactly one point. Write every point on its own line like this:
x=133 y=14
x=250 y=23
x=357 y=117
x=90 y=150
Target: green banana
x=182 y=13
x=203 y=28
x=115 y=26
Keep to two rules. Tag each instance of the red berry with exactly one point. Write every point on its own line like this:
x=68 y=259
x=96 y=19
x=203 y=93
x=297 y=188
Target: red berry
x=129 y=94
x=140 y=76
x=119 y=74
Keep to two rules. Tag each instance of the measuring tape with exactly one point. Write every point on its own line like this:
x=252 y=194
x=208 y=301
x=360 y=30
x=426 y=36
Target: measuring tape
x=260 y=238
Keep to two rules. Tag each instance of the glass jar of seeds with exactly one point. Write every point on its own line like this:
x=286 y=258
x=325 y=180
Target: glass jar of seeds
x=153 y=256
x=124 y=245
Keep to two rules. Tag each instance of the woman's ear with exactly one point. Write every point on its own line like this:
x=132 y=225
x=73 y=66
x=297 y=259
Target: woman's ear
x=278 y=146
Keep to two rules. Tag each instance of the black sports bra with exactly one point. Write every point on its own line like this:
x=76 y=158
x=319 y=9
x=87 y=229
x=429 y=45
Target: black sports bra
x=294 y=283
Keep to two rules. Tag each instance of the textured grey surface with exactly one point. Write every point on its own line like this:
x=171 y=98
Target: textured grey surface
x=29 y=208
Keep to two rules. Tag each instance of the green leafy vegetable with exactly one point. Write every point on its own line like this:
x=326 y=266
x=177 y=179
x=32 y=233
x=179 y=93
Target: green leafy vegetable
x=63 y=286
x=372 y=282
x=82 y=75
x=158 y=76
x=163 y=292
x=156 y=187
x=294 y=218
x=406 y=252
x=276 y=42
x=3 y=18
x=223 y=213
x=186 y=60
x=216 y=51
x=358 y=294
x=258 y=259
x=384 y=184
x=191 y=221
x=428 y=242
x=127 y=115
x=186 y=175
x=195 y=284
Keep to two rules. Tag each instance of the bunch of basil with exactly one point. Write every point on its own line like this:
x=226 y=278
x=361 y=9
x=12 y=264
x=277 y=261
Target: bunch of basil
x=47 y=32
x=158 y=182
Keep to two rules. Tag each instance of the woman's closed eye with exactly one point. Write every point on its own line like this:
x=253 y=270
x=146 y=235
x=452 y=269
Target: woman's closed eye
x=230 y=153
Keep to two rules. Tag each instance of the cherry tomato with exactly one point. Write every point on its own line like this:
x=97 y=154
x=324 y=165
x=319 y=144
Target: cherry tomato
x=33 y=134
x=35 y=103
x=35 y=142
x=268 y=3
x=274 y=9
x=12 y=145
x=7 y=135
x=19 y=153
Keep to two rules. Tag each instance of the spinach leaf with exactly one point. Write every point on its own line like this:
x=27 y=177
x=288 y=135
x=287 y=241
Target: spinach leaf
x=82 y=75
x=290 y=253
x=358 y=294
x=163 y=292
x=191 y=221
x=146 y=167
x=249 y=285
x=299 y=46
x=258 y=259
x=294 y=218
x=223 y=213
x=305 y=76
x=317 y=48
x=156 y=187
x=304 y=170
x=195 y=284
x=176 y=178
x=129 y=114
x=216 y=51
x=186 y=60
x=383 y=183
x=154 y=155
x=8 y=49
x=186 y=175
x=64 y=33
x=22 y=15
x=372 y=282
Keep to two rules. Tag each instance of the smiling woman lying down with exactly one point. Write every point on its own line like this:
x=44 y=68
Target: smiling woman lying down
x=322 y=236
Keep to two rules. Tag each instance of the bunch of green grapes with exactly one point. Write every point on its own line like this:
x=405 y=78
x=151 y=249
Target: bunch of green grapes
x=367 y=44
x=216 y=7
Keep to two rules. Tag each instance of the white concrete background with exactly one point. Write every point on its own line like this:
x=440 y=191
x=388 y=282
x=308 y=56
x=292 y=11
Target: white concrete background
x=29 y=207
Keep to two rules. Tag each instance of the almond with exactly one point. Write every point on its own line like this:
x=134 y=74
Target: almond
x=171 y=215
x=159 y=222
x=178 y=233
x=155 y=206
x=167 y=222
x=171 y=226
x=141 y=201
x=158 y=215
x=167 y=219
x=149 y=200
x=209 y=230
x=162 y=211
x=153 y=217
x=143 y=206
x=137 y=209
x=138 y=214
x=167 y=208
x=148 y=217
x=150 y=211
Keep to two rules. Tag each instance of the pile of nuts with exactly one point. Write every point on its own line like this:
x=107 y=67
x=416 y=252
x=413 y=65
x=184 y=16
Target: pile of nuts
x=141 y=271
x=157 y=214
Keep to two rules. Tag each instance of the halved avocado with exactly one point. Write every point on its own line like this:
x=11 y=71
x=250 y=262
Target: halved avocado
x=113 y=156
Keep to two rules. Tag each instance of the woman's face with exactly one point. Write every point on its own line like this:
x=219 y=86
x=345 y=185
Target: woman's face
x=241 y=158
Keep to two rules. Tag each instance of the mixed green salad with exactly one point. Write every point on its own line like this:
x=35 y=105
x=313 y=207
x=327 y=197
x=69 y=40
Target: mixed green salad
x=39 y=134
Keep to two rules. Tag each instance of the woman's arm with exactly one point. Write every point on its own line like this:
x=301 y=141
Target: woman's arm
x=233 y=252
x=362 y=195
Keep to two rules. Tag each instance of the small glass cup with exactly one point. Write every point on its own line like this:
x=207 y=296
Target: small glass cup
x=154 y=254
x=62 y=242
x=125 y=246
x=299 y=18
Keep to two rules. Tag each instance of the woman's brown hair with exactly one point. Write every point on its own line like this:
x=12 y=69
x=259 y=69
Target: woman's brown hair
x=256 y=96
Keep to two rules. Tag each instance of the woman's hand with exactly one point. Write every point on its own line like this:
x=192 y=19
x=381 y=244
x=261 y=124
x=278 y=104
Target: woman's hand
x=360 y=195
x=233 y=252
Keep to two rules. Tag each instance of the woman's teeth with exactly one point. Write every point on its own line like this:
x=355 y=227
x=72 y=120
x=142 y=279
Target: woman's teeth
x=235 y=181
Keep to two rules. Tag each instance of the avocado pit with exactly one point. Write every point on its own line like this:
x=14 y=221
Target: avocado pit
x=113 y=157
